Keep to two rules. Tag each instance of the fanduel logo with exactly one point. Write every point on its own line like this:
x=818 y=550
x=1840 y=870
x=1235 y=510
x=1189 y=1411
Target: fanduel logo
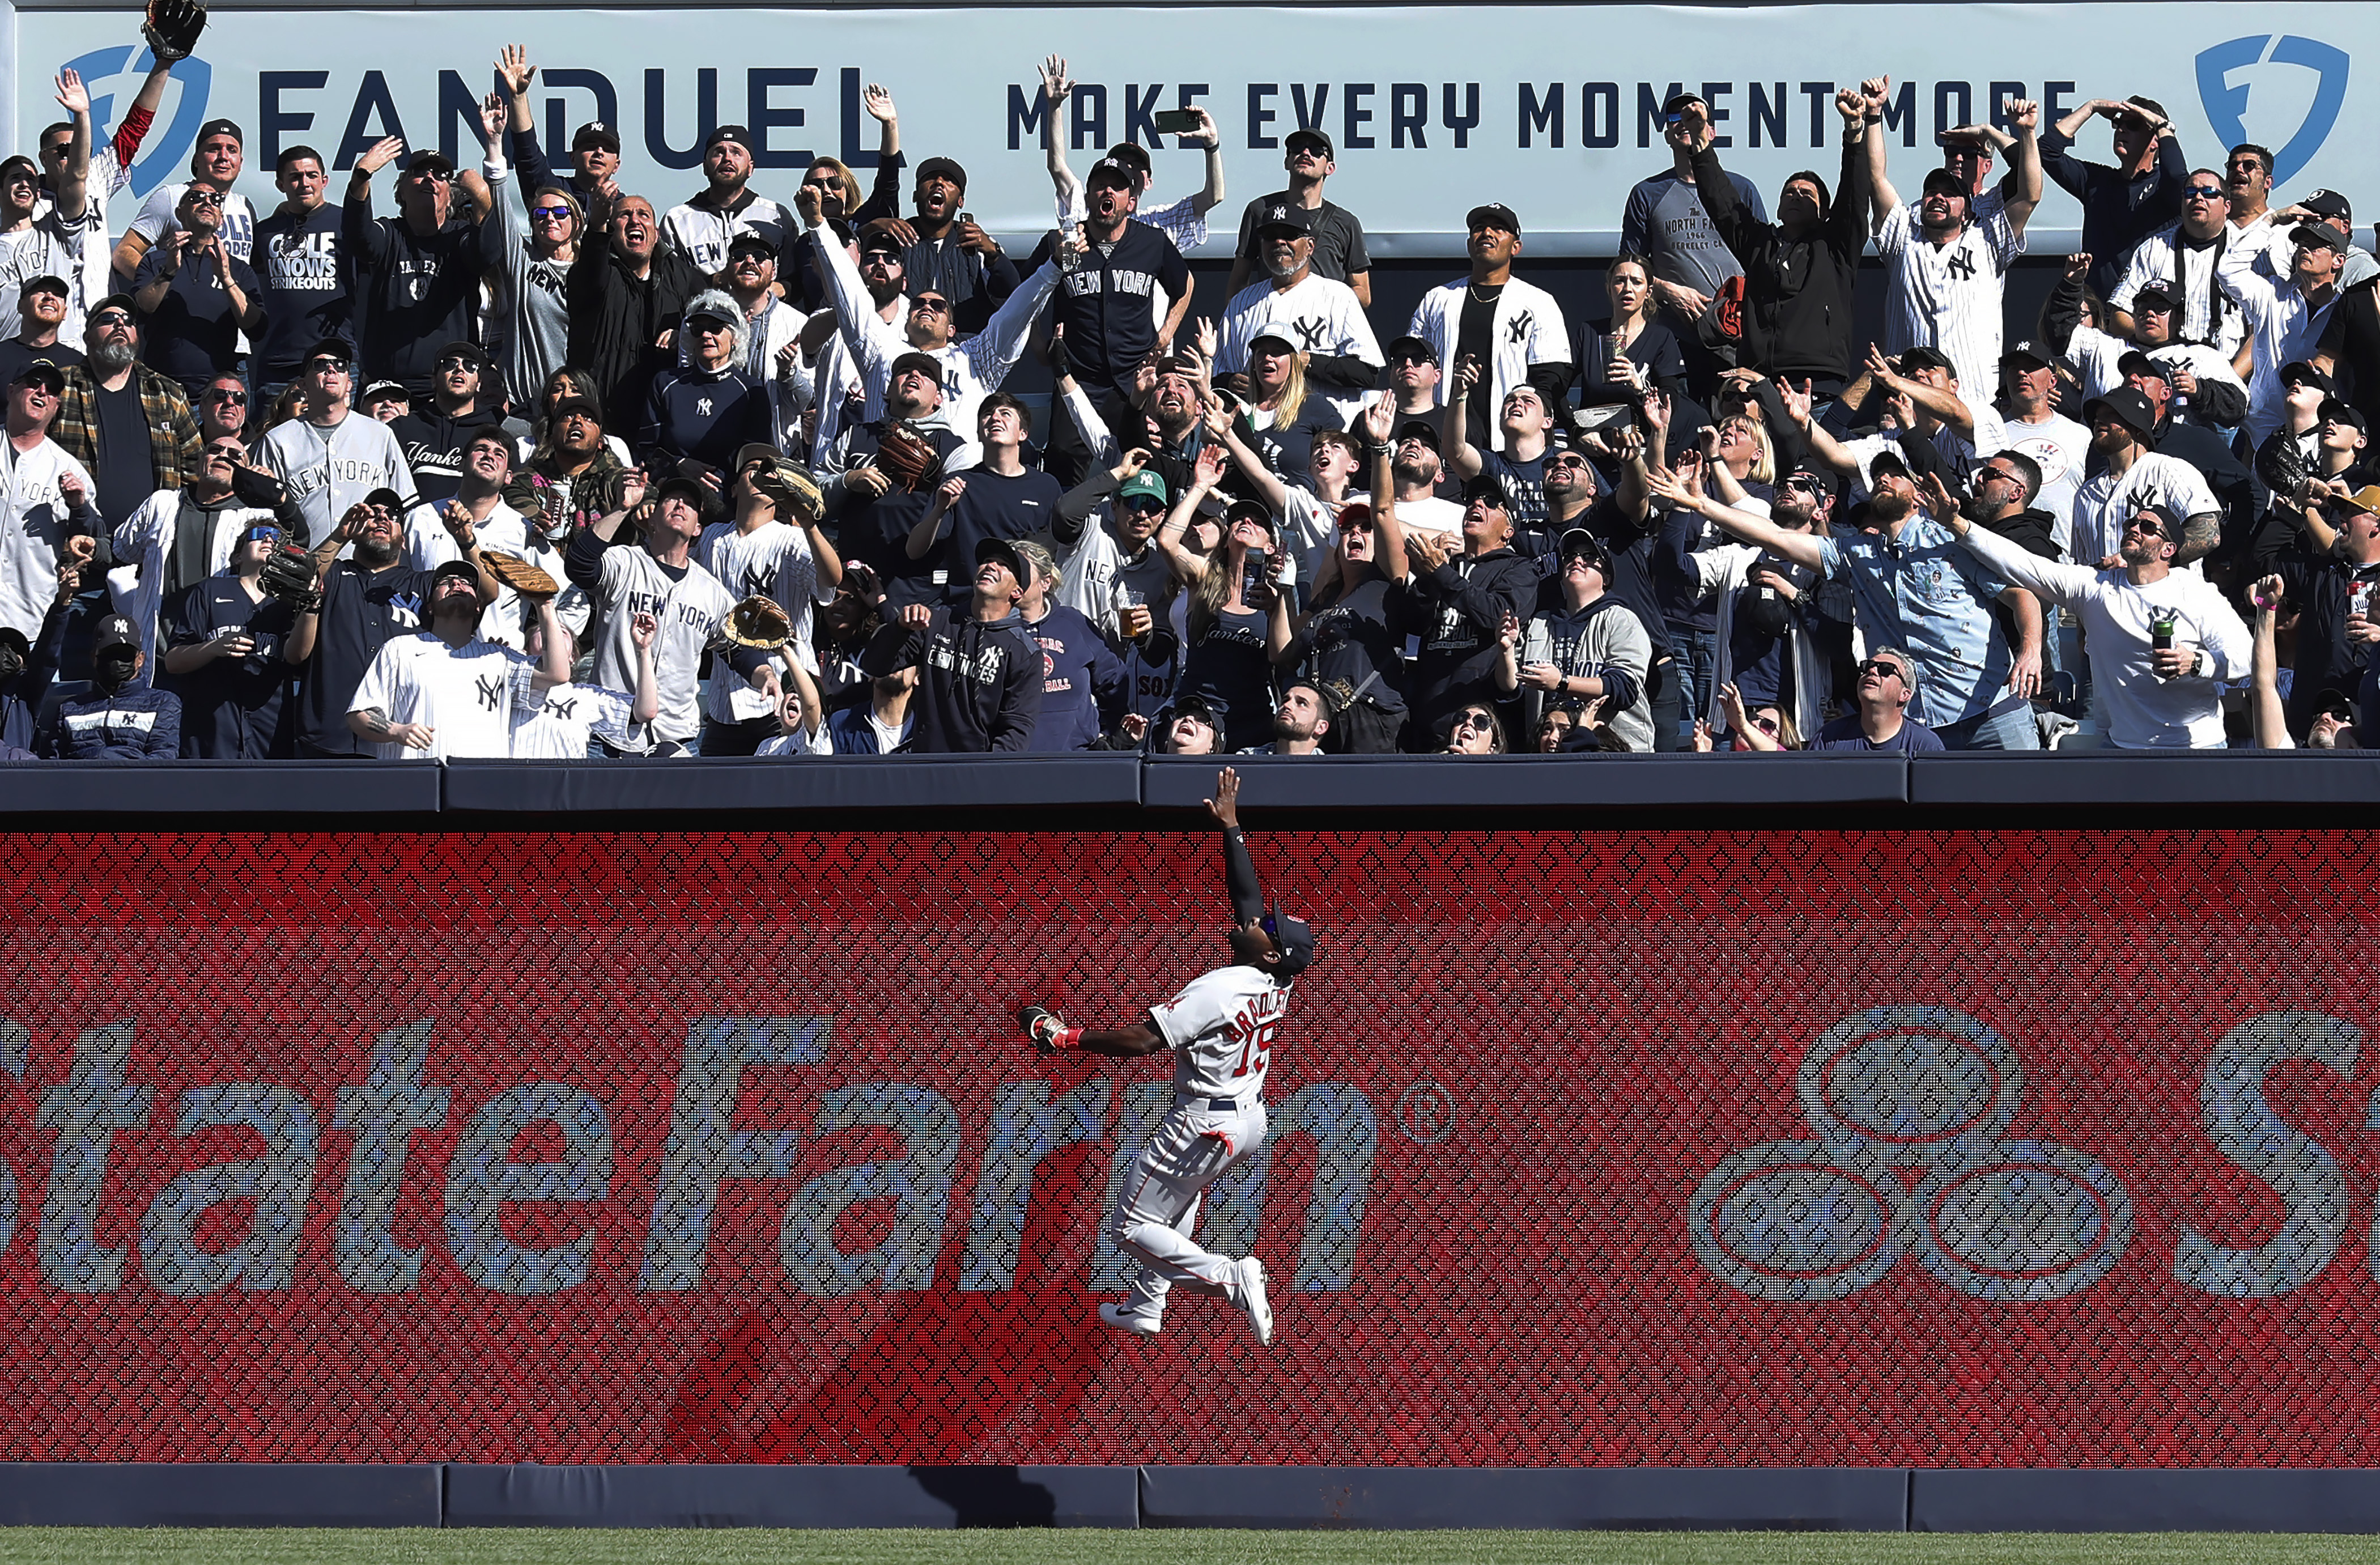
x=2227 y=105
x=167 y=155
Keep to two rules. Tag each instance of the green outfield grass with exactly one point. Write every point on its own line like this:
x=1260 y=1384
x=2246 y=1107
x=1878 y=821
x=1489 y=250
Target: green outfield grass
x=297 y=1547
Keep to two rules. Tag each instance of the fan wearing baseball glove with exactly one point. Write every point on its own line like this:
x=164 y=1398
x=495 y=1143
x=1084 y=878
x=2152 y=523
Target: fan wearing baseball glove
x=173 y=28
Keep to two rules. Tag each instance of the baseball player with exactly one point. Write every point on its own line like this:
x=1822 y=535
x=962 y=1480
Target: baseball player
x=1222 y=1029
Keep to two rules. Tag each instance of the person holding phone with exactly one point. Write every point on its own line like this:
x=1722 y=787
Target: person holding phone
x=1183 y=220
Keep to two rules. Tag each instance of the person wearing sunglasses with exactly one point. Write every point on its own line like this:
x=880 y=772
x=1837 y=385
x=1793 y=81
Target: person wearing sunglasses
x=1769 y=643
x=196 y=295
x=178 y=540
x=1886 y=682
x=535 y=239
x=296 y=258
x=2162 y=641
x=217 y=162
x=417 y=273
x=2123 y=203
x=2179 y=259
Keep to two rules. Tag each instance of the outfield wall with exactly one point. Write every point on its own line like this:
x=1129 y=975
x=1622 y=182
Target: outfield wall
x=1604 y=1137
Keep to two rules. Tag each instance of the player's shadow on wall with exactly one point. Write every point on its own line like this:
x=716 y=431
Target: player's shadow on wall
x=990 y=1496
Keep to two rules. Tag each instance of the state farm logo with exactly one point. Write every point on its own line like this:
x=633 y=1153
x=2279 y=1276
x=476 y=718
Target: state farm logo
x=1909 y=1106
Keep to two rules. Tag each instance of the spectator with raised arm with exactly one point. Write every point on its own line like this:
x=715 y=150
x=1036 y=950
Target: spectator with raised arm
x=1799 y=271
x=1239 y=611
x=1946 y=260
x=2286 y=319
x=1183 y=220
x=2333 y=579
x=626 y=296
x=2124 y=205
x=656 y=574
x=418 y=273
x=2162 y=643
x=943 y=248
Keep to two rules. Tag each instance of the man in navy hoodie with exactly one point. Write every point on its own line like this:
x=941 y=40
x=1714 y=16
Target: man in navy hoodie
x=980 y=675
x=119 y=716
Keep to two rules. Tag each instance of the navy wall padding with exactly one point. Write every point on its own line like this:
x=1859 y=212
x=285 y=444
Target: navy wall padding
x=699 y=1495
x=267 y=789
x=2163 y=1500
x=1530 y=781
x=2144 y=777
x=1801 y=1500
x=219 y=1494
x=816 y=783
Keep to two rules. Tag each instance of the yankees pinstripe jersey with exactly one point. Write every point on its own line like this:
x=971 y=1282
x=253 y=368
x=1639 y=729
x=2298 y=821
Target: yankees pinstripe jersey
x=1948 y=297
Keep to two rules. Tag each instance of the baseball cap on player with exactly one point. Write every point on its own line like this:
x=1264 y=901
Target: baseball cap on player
x=1295 y=937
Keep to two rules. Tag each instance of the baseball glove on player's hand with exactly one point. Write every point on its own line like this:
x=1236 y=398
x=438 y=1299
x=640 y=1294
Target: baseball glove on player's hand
x=288 y=575
x=909 y=457
x=1043 y=1026
x=527 y=580
x=173 y=29
x=759 y=622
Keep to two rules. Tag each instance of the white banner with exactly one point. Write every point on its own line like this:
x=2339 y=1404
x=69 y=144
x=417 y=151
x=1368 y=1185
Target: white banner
x=1552 y=110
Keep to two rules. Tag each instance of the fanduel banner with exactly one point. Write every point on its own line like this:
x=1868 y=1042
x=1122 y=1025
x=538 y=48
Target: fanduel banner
x=1554 y=110
x=1589 y=1149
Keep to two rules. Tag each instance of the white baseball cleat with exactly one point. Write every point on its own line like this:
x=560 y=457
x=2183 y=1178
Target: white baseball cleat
x=1129 y=1320
x=1253 y=1300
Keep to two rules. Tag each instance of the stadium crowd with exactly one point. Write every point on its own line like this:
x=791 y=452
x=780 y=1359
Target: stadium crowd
x=281 y=483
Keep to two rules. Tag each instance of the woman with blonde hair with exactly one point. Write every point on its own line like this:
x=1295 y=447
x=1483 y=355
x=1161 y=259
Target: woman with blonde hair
x=1238 y=620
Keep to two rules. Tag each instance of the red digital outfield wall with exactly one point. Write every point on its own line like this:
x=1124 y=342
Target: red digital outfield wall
x=1590 y=1148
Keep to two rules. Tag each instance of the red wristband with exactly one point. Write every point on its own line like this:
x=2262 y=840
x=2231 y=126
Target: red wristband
x=1070 y=1037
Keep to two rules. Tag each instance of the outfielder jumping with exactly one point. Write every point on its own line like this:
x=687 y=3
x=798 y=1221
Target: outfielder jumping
x=1222 y=1029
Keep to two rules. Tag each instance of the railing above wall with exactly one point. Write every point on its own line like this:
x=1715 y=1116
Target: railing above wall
x=1125 y=792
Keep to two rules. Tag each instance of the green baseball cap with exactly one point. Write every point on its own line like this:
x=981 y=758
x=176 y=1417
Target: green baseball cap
x=1144 y=482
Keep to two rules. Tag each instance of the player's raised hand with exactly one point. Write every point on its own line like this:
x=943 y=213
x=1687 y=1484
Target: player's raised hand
x=1225 y=805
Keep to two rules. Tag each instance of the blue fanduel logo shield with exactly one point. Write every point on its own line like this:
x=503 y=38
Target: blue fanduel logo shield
x=168 y=156
x=2227 y=105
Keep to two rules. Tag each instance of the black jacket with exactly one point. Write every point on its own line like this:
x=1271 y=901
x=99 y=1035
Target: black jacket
x=1797 y=292
x=616 y=320
x=1458 y=611
x=979 y=682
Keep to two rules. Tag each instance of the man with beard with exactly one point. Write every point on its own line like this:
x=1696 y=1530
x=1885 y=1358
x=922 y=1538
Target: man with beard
x=232 y=655
x=626 y=296
x=1109 y=305
x=701 y=227
x=2162 y=643
x=1947 y=263
x=2179 y=258
x=827 y=342
x=2123 y=423
x=773 y=548
x=430 y=532
x=980 y=675
x=445 y=694
x=330 y=457
x=572 y=477
x=460 y=405
x=418 y=273
x=972 y=370
x=371 y=599
x=1299 y=725
x=179 y=538
x=40 y=312
x=876 y=512
x=1322 y=318
x=1915 y=588
x=1588 y=645
x=1108 y=557
x=772 y=331
x=215 y=163
x=1339 y=252
x=121 y=716
x=661 y=578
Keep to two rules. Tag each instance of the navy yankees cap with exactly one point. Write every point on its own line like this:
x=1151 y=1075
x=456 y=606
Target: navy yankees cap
x=1295 y=937
x=1318 y=140
x=1285 y=215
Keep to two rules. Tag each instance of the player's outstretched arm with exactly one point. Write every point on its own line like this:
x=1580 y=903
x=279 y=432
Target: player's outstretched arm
x=1050 y=1034
x=1239 y=869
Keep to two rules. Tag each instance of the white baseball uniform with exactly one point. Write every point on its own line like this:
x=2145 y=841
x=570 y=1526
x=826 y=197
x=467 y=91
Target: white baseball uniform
x=688 y=607
x=1222 y=1027
x=1319 y=315
x=1948 y=297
